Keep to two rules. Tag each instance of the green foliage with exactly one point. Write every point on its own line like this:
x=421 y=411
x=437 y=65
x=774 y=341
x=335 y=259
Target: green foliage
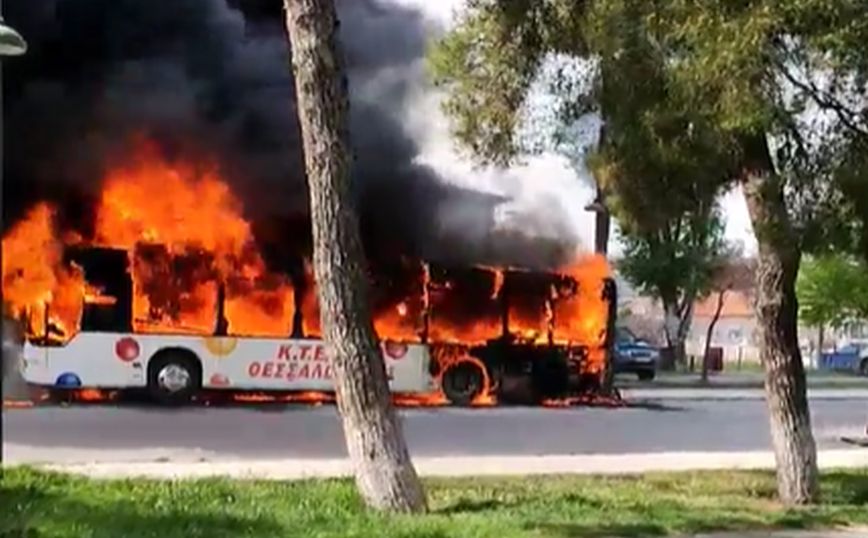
x=691 y=92
x=832 y=290
x=48 y=505
x=790 y=75
x=661 y=162
x=489 y=61
x=680 y=262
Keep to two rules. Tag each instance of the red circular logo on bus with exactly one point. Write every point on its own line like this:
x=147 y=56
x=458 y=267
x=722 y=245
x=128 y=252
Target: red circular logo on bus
x=395 y=350
x=127 y=349
x=220 y=380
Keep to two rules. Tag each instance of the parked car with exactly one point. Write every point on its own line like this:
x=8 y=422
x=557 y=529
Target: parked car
x=635 y=356
x=852 y=358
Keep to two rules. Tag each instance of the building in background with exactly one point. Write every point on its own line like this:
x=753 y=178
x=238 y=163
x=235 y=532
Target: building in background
x=735 y=331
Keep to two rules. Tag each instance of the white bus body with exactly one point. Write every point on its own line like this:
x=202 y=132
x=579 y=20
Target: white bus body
x=178 y=366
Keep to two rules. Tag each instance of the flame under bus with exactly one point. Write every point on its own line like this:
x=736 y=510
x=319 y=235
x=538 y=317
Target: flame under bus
x=460 y=336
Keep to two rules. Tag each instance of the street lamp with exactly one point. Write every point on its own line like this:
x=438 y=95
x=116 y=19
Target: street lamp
x=11 y=44
x=601 y=228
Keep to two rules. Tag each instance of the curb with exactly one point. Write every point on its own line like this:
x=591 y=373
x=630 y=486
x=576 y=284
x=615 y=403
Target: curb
x=854 y=532
x=736 y=394
x=300 y=469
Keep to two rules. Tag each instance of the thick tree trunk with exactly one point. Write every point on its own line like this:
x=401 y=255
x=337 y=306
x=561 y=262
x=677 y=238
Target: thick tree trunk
x=721 y=298
x=776 y=307
x=375 y=441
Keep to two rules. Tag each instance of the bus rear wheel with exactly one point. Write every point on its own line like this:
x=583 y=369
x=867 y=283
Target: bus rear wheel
x=463 y=382
x=174 y=377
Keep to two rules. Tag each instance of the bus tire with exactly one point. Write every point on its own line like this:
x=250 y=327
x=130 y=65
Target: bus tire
x=462 y=382
x=174 y=377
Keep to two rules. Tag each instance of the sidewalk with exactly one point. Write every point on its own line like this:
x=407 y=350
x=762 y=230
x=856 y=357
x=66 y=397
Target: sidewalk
x=713 y=393
x=739 y=380
x=168 y=467
x=849 y=533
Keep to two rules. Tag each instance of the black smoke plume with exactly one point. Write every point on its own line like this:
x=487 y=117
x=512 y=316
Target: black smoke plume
x=213 y=76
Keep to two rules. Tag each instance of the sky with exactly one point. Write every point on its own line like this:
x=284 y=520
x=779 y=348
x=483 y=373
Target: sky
x=542 y=179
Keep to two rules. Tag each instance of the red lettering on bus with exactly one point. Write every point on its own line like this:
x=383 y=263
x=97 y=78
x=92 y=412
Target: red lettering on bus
x=268 y=370
x=279 y=368
x=328 y=372
x=316 y=372
x=254 y=369
x=304 y=371
x=283 y=352
x=292 y=366
x=305 y=351
x=320 y=354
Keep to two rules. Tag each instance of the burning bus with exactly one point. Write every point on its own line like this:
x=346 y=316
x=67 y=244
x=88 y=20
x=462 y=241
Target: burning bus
x=174 y=302
x=512 y=342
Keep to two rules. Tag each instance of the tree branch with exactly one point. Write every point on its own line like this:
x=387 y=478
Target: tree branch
x=827 y=101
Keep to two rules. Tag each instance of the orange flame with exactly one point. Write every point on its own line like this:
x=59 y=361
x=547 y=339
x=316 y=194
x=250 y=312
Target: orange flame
x=581 y=316
x=34 y=274
x=498 y=283
x=187 y=238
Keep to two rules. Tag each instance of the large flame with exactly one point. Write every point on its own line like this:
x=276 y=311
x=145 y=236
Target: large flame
x=35 y=276
x=188 y=241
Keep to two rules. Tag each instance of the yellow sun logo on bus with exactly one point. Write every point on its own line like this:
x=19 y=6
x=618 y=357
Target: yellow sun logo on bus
x=221 y=346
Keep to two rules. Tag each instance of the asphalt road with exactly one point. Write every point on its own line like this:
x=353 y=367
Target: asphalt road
x=102 y=433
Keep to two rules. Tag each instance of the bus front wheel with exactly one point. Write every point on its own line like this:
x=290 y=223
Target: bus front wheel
x=174 y=377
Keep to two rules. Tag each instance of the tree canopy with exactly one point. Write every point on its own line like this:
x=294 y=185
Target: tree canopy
x=832 y=290
x=696 y=94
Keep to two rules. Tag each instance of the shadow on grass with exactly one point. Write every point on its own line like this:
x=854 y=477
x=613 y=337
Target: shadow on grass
x=36 y=513
x=571 y=530
x=470 y=506
x=845 y=502
x=686 y=525
x=18 y=507
x=846 y=488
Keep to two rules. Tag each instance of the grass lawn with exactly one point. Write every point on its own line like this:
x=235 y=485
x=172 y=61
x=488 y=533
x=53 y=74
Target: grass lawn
x=39 y=505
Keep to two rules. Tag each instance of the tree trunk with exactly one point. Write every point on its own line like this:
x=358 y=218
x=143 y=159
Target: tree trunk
x=673 y=330
x=685 y=320
x=776 y=307
x=821 y=340
x=384 y=473
x=721 y=298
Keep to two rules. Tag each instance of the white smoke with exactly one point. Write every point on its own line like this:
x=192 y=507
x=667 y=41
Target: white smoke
x=547 y=192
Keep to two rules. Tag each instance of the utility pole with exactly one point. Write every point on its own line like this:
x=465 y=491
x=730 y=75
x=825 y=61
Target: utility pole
x=601 y=248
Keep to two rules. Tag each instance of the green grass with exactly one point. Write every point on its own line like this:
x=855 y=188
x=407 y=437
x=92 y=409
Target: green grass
x=40 y=505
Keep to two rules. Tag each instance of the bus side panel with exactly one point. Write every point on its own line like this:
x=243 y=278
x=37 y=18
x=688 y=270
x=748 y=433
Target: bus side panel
x=34 y=365
x=115 y=360
x=297 y=365
x=90 y=360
